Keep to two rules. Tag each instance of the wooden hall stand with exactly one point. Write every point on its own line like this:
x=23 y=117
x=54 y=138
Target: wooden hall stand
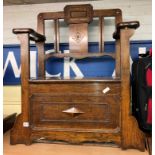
x=77 y=110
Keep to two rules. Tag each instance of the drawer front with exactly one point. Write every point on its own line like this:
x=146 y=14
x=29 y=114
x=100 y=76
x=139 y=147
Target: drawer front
x=54 y=98
x=99 y=89
x=75 y=111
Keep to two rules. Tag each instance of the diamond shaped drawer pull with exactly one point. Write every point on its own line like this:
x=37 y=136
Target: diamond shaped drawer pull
x=73 y=111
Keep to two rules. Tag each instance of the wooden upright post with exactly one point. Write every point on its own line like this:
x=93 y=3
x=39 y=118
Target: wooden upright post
x=132 y=136
x=20 y=132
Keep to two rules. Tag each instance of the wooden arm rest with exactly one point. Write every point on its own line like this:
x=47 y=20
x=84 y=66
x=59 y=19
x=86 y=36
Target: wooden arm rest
x=33 y=34
x=123 y=25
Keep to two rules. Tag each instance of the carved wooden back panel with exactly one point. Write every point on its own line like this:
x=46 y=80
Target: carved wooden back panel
x=78 y=18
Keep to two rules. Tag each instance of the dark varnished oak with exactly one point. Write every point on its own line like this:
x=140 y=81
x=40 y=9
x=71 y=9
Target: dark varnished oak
x=77 y=110
x=97 y=120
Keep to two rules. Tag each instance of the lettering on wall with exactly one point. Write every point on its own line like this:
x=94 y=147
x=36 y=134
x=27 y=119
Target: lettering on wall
x=67 y=67
x=12 y=60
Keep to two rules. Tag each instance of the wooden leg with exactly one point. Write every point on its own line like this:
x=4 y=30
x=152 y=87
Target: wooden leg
x=132 y=137
x=149 y=143
x=20 y=134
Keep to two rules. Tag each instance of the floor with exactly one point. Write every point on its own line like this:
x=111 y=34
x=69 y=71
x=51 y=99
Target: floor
x=61 y=149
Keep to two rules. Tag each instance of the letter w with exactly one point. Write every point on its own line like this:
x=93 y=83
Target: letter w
x=12 y=60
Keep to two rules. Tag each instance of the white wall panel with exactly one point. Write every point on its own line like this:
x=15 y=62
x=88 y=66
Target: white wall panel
x=9 y=108
x=26 y=16
x=11 y=99
x=12 y=93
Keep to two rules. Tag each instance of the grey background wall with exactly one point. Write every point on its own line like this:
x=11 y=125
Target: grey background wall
x=25 y=16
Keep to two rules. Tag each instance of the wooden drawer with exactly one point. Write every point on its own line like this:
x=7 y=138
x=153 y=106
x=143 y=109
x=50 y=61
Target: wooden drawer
x=94 y=112
x=95 y=88
x=74 y=98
